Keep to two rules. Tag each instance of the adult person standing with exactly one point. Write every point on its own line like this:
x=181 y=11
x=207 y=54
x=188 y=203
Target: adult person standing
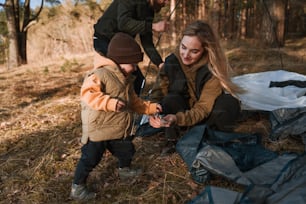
x=132 y=17
x=195 y=86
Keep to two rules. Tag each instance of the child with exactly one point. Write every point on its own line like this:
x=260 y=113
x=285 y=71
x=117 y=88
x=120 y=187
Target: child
x=108 y=101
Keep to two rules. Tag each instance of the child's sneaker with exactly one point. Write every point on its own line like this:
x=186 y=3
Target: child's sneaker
x=127 y=172
x=80 y=192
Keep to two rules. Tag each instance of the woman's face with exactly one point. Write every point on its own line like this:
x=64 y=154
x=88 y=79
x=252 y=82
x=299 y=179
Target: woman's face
x=191 y=50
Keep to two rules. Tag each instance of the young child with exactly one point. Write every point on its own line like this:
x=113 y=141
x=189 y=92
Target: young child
x=108 y=101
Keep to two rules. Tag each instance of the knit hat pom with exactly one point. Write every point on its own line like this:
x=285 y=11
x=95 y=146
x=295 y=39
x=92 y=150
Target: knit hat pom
x=123 y=49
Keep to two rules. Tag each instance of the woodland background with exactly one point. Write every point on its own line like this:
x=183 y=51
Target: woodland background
x=63 y=29
x=40 y=124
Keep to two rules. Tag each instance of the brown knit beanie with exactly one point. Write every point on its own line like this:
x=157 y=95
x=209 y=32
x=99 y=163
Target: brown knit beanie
x=123 y=49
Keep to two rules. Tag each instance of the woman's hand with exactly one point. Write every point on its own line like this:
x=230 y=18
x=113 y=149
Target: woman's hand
x=157 y=122
x=171 y=119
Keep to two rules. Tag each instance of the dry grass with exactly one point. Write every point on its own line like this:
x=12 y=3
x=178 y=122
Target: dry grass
x=40 y=128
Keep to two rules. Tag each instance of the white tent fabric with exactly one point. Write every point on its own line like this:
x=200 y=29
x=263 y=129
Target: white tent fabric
x=259 y=96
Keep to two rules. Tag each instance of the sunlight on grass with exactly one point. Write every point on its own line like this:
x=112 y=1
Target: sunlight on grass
x=40 y=128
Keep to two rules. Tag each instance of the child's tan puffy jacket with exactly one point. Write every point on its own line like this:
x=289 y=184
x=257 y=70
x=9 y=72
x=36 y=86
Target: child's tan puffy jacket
x=101 y=90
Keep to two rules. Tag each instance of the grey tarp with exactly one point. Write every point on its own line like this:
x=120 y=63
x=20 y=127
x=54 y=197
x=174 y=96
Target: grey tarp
x=206 y=151
x=288 y=187
x=287 y=121
x=268 y=177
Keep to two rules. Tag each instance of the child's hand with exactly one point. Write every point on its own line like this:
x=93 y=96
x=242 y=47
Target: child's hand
x=156 y=121
x=159 y=108
x=120 y=106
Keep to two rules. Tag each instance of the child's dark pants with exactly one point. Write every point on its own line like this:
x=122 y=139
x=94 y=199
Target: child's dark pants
x=92 y=153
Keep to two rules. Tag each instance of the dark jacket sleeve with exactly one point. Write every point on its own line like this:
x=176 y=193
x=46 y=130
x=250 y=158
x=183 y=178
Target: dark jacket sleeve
x=134 y=17
x=149 y=48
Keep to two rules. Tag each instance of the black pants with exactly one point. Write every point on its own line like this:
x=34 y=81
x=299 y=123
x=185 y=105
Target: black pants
x=100 y=45
x=224 y=114
x=92 y=153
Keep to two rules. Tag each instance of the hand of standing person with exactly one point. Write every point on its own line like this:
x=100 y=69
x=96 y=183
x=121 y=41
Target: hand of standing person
x=161 y=65
x=160 y=26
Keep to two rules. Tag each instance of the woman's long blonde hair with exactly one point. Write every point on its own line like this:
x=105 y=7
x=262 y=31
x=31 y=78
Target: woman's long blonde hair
x=218 y=63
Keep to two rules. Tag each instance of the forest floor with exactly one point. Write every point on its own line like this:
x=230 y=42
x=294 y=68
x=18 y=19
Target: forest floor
x=40 y=128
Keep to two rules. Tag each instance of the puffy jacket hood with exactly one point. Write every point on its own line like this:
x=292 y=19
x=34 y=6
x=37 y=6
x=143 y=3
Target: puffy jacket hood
x=100 y=61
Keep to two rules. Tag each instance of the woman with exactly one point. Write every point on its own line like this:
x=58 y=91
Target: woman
x=195 y=85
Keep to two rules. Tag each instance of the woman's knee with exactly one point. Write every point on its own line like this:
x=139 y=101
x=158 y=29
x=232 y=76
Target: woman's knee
x=228 y=104
x=225 y=113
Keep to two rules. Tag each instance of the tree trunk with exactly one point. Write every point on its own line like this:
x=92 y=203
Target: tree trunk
x=267 y=27
x=173 y=26
x=214 y=15
x=201 y=9
x=184 y=14
x=19 y=19
x=232 y=15
x=12 y=35
x=243 y=20
x=280 y=16
x=273 y=24
x=22 y=51
x=258 y=16
x=226 y=17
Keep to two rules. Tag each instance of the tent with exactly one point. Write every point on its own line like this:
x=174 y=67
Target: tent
x=268 y=177
x=272 y=90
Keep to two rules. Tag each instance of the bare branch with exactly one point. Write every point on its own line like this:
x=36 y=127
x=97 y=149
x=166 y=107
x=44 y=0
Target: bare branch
x=31 y=21
x=35 y=16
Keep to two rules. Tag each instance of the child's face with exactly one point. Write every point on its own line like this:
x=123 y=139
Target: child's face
x=128 y=68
